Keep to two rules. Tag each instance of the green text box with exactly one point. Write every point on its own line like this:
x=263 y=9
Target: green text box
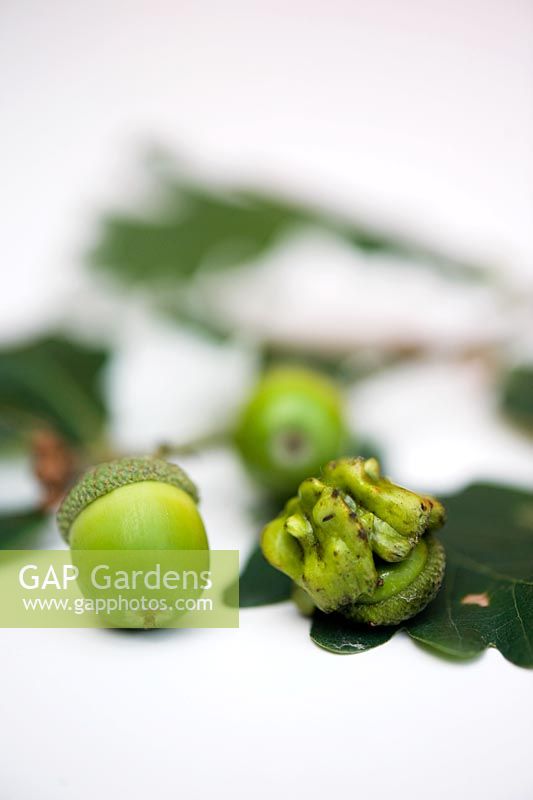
x=118 y=588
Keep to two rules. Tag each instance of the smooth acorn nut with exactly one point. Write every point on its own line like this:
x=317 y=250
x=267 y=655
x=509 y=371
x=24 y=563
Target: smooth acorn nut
x=359 y=544
x=133 y=503
x=290 y=426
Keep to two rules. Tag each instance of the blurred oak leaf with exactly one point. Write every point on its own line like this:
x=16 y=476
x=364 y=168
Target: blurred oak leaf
x=517 y=395
x=52 y=383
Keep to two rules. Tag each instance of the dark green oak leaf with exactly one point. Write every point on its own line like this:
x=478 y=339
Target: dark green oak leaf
x=487 y=596
x=336 y=634
x=52 y=382
x=517 y=395
x=20 y=529
x=260 y=584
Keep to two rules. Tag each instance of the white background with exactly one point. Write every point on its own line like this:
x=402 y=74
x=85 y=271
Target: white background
x=419 y=113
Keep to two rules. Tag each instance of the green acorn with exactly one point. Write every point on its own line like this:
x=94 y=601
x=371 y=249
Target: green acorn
x=292 y=423
x=133 y=503
x=131 y=506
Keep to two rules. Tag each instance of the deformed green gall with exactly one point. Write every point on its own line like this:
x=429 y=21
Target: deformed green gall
x=359 y=544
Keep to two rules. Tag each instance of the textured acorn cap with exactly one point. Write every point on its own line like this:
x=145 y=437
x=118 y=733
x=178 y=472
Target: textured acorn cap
x=104 y=478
